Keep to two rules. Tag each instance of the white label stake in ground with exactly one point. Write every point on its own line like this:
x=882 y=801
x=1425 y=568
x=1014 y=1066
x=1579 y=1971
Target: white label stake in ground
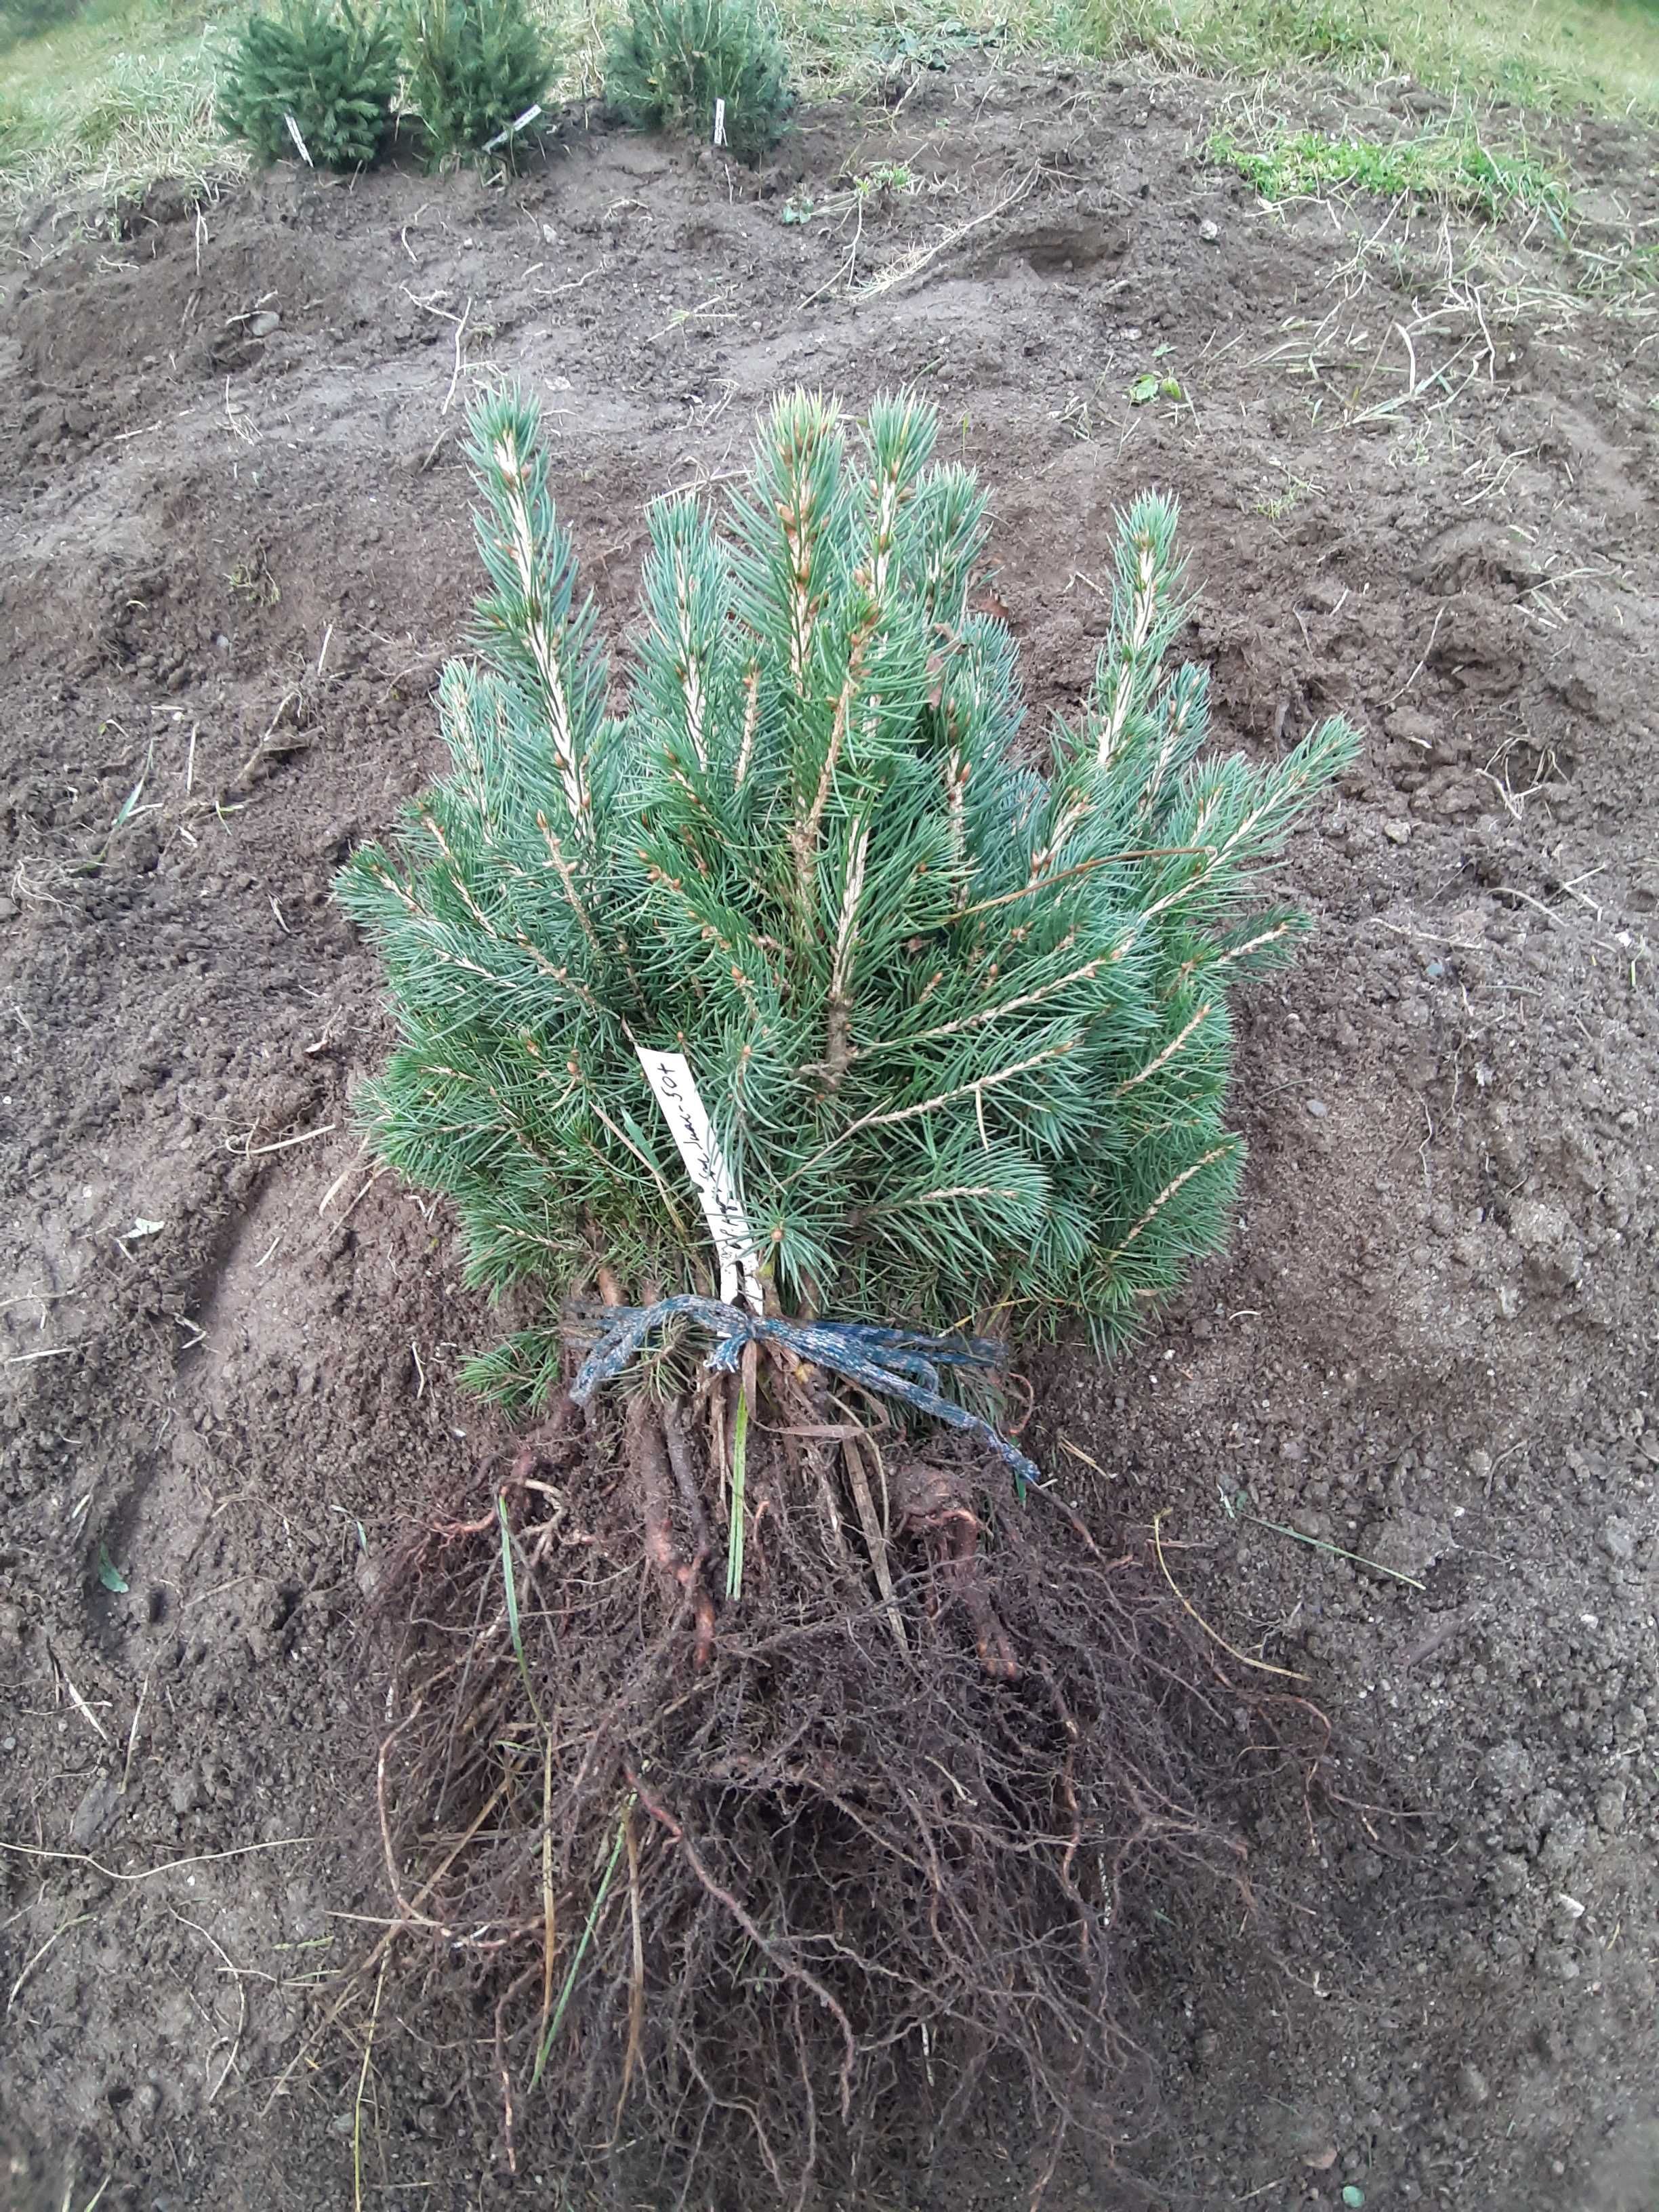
x=670 y=1077
x=513 y=128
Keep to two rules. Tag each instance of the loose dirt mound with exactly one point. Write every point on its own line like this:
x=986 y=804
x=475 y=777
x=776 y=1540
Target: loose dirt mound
x=1417 y=463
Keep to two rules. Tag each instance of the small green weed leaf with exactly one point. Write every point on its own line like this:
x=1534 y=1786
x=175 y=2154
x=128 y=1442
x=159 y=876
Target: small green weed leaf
x=937 y=45
x=130 y=807
x=1152 y=387
x=110 y=1575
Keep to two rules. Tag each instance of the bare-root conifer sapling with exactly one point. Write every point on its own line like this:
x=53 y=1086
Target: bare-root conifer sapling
x=816 y=1748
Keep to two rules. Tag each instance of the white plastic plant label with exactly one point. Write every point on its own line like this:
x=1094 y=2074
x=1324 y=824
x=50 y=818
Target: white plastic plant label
x=670 y=1077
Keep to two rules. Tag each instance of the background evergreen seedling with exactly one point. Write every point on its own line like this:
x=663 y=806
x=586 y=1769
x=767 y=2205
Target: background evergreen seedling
x=667 y=62
x=330 y=66
x=474 y=68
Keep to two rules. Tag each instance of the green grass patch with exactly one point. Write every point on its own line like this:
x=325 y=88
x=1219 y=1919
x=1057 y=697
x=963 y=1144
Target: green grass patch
x=1453 y=168
x=122 y=91
x=1601 y=54
x=111 y=100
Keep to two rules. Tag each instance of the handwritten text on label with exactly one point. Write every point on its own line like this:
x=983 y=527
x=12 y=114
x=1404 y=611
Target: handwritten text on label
x=670 y=1077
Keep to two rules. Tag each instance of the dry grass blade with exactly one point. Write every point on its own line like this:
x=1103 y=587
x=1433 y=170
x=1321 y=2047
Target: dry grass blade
x=1319 y=1544
x=35 y=1957
x=912 y=265
x=550 y=1905
x=875 y=1535
x=226 y=1965
x=357 y=2101
x=510 y=1588
x=168 y=1866
x=1243 y=1658
x=636 y=1983
x=596 y=1912
x=63 y=1672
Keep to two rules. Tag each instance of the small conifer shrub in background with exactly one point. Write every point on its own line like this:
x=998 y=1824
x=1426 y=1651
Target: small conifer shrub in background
x=474 y=68
x=325 y=64
x=669 y=62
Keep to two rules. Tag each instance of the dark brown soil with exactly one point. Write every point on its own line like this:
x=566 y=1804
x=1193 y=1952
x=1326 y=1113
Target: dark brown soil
x=234 y=553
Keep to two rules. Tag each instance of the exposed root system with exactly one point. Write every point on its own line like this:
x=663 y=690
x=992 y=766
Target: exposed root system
x=747 y=1871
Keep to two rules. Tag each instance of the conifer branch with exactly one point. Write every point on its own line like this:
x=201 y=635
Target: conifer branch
x=751 y=722
x=1175 y=1184
x=1175 y=1047
x=838 y=1050
x=1021 y=1003
x=976 y=1090
x=804 y=836
x=567 y=877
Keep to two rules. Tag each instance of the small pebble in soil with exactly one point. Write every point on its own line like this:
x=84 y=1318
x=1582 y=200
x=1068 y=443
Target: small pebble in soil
x=1318 y=1108
x=1209 y=232
x=1618 y=1540
x=1472 y=2084
x=1609 y=1807
x=1509 y=1875
x=93 y=1813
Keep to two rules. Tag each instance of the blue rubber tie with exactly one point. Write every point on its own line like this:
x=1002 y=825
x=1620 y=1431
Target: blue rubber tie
x=892 y=1362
